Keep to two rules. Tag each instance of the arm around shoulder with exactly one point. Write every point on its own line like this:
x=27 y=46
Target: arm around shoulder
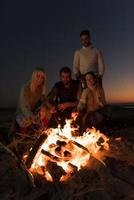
x=76 y=63
x=101 y=63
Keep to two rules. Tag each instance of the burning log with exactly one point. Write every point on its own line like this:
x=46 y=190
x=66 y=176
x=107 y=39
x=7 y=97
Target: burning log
x=71 y=153
x=80 y=146
x=61 y=143
x=76 y=143
x=73 y=167
x=52 y=157
x=55 y=171
x=52 y=145
x=67 y=154
x=100 y=141
x=34 y=150
x=58 y=151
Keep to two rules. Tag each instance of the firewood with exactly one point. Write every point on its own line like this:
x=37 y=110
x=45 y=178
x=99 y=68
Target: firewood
x=55 y=171
x=53 y=157
x=34 y=150
x=52 y=145
x=73 y=167
x=48 y=154
x=61 y=143
x=58 y=150
x=67 y=153
x=80 y=145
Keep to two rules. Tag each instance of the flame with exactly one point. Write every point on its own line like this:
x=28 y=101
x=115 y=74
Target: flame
x=68 y=151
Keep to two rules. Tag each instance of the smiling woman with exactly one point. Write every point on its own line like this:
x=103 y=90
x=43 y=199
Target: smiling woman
x=32 y=93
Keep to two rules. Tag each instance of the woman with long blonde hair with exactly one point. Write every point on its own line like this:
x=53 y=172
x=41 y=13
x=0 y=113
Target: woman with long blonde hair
x=33 y=92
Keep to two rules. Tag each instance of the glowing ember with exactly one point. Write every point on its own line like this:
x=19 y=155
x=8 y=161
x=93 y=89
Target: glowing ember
x=68 y=152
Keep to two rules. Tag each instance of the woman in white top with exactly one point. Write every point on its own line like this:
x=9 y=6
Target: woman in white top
x=92 y=103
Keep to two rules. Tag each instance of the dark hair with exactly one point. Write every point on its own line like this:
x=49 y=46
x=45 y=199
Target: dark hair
x=92 y=74
x=85 y=32
x=65 y=70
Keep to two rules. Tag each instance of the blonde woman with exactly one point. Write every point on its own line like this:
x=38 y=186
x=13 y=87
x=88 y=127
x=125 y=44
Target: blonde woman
x=33 y=92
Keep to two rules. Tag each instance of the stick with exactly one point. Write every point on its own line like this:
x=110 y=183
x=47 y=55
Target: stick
x=34 y=150
x=80 y=145
x=46 y=153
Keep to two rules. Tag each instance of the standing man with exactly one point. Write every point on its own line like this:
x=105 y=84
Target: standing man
x=65 y=94
x=88 y=59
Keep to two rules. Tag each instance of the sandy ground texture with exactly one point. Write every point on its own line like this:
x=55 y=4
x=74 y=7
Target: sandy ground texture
x=114 y=180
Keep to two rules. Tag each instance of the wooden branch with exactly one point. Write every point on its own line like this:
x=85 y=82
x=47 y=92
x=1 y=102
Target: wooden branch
x=34 y=150
x=51 y=156
x=80 y=146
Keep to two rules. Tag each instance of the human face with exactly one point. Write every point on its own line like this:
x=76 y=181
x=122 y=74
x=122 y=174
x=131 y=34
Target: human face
x=85 y=40
x=90 y=81
x=39 y=77
x=42 y=112
x=65 y=78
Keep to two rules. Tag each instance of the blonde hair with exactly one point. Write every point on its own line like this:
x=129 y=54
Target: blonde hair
x=44 y=84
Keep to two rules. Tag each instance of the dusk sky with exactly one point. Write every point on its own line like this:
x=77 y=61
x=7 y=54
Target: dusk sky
x=46 y=34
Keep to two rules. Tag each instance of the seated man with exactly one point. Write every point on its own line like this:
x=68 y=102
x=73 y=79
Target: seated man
x=64 y=96
x=92 y=105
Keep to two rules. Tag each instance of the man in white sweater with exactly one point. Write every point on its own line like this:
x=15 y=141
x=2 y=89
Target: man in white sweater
x=88 y=59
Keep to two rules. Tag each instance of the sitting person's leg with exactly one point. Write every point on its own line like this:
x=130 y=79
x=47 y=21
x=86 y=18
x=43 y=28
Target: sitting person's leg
x=106 y=112
x=54 y=121
x=93 y=119
x=84 y=121
x=96 y=119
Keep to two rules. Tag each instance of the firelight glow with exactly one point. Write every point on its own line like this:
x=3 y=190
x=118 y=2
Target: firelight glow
x=74 y=151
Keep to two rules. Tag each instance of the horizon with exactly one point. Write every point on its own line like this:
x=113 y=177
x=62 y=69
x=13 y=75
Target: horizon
x=110 y=103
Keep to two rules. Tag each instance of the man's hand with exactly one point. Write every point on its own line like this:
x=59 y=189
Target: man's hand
x=74 y=115
x=53 y=110
x=63 y=106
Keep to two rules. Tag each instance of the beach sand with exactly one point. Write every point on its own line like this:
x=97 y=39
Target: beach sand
x=117 y=175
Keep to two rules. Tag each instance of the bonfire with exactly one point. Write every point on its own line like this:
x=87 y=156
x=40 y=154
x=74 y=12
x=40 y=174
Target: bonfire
x=66 y=163
x=60 y=152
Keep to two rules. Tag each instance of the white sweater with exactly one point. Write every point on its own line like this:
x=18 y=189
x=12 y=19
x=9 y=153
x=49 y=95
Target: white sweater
x=88 y=59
